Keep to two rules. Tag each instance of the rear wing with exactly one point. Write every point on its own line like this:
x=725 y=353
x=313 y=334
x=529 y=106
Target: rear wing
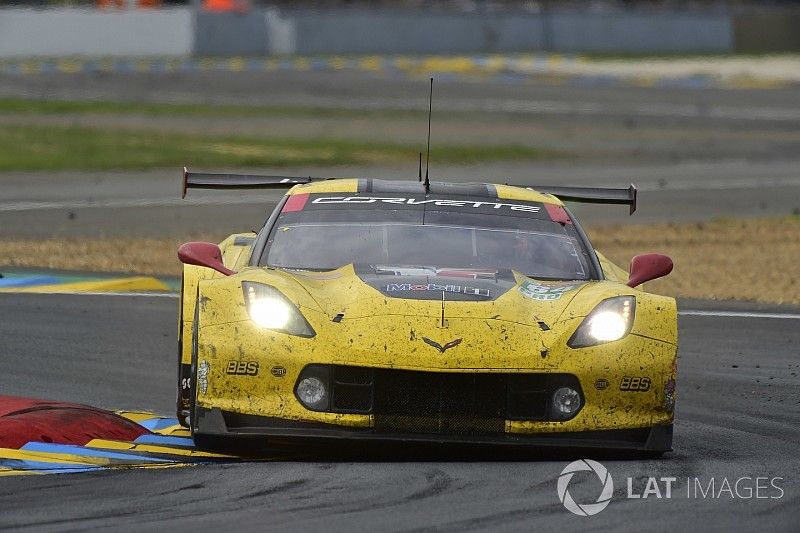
x=590 y=195
x=203 y=180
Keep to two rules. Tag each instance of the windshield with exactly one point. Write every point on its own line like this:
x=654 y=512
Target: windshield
x=541 y=254
x=408 y=232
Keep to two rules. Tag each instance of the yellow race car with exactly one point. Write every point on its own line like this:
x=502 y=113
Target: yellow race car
x=397 y=311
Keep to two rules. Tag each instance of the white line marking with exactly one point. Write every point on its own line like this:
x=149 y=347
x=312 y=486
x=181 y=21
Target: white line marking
x=740 y=314
x=136 y=202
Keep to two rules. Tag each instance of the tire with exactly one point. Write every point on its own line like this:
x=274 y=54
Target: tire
x=193 y=371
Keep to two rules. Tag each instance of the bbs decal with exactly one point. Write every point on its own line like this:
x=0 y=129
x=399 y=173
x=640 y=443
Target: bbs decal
x=635 y=384
x=242 y=368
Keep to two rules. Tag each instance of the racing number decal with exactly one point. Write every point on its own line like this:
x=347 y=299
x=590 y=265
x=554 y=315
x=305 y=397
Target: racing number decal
x=544 y=293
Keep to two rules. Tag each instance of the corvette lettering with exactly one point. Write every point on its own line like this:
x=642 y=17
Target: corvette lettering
x=461 y=289
x=432 y=201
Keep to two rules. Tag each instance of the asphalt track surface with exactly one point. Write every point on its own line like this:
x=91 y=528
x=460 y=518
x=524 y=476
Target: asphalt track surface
x=738 y=415
x=695 y=154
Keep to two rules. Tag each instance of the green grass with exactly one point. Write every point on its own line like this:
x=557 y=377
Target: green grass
x=56 y=107
x=74 y=148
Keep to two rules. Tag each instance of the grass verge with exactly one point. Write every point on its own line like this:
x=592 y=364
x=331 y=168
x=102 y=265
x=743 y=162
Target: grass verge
x=752 y=260
x=76 y=148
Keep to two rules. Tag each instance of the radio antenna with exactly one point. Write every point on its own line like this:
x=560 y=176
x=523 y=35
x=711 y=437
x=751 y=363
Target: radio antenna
x=428 y=156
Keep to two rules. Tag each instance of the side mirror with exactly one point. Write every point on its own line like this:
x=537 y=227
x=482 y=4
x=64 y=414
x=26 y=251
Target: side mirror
x=203 y=254
x=647 y=267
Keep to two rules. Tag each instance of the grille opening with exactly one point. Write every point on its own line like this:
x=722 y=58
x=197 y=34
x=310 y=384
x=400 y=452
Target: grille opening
x=410 y=401
x=354 y=375
x=434 y=402
x=352 y=389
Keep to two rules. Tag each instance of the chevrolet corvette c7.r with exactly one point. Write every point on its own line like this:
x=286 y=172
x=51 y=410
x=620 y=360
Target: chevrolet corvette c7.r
x=392 y=311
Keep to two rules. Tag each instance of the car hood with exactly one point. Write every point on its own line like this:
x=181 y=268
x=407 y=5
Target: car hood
x=362 y=322
x=362 y=292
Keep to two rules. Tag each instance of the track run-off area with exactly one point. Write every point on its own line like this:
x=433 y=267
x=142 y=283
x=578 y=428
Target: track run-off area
x=737 y=420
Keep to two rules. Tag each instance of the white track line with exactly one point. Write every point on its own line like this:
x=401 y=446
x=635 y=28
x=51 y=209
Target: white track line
x=93 y=293
x=134 y=202
x=686 y=312
x=740 y=314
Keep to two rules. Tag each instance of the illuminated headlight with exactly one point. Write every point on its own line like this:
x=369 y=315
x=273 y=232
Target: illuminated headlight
x=610 y=321
x=269 y=308
x=566 y=402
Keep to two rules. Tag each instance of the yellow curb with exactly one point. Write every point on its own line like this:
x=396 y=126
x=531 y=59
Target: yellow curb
x=53 y=458
x=153 y=448
x=13 y=472
x=137 y=416
x=138 y=283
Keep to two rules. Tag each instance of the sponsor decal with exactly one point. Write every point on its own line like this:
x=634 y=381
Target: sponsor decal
x=441 y=348
x=601 y=384
x=202 y=376
x=544 y=293
x=277 y=371
x=469 y=273
x=242 y=368
x=432 y=201
x=635 y=384
x=461 y=289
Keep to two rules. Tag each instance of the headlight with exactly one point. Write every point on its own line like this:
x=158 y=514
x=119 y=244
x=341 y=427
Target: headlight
x=566 y=402
x=270 y=309
x=611 y=320
x=312 y=387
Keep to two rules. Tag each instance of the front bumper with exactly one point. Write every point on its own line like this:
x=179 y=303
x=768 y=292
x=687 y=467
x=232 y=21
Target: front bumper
x=216 y=424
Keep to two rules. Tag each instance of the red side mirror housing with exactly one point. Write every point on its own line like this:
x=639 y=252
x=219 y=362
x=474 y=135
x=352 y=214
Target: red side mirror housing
x=203 y=254
x=647 y=267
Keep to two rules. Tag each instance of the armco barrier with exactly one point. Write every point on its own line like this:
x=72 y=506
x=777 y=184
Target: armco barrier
x=638 y=32
x=358 y=31
x=90 y=32
x=182 y=31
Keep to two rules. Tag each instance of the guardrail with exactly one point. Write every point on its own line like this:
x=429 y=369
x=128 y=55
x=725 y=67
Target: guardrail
x=260 y=32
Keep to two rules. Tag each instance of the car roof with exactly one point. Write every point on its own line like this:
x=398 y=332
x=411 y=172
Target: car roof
x=472 y=190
